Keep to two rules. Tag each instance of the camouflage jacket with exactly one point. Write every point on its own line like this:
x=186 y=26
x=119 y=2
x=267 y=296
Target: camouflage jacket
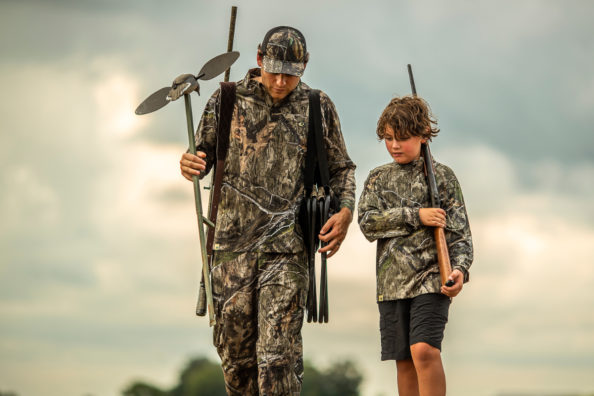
x=406 y=262
x=264 y=169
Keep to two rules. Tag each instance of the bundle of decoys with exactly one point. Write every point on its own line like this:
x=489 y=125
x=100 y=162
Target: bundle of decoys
x=317 y=206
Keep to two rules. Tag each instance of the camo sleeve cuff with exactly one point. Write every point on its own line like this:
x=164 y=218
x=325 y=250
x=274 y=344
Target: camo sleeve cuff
x=413 y=218
x=348 y=204
x=464 y=272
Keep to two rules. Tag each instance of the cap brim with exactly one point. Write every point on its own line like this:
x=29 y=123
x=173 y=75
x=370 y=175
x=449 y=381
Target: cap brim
x=276 y=66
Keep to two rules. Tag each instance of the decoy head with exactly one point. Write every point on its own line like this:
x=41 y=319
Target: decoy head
x=183 y=84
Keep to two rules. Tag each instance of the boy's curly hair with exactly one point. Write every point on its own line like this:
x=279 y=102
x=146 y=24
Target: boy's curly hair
x=408 y=116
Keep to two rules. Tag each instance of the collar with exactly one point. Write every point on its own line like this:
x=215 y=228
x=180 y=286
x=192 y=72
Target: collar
x=415 y=165
x=254 y=87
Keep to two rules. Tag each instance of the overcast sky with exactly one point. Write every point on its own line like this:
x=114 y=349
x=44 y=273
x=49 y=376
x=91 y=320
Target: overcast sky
x=99 y=257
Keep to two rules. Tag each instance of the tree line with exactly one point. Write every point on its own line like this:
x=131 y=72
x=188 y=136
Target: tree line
x=202 y=377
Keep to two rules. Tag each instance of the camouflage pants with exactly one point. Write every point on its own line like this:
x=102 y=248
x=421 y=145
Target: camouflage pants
x=259 y=300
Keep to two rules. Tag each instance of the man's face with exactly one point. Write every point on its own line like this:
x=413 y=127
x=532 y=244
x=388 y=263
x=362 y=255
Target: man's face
x=278 y=85
x=403 y=151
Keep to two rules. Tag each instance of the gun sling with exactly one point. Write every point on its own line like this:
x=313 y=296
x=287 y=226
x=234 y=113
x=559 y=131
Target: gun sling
x=223 y=130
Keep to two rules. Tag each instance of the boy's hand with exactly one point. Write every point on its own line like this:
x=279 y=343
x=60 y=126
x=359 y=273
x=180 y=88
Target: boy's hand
x=192 y=164
x=433 y=217
x=335 y=230
x=456 y=288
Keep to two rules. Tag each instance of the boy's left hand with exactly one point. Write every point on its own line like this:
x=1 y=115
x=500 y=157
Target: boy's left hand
x=334 y=231
x=456 y=288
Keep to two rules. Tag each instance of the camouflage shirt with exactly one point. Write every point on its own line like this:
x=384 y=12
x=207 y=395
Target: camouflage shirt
x=264 y=169
x=406 y=262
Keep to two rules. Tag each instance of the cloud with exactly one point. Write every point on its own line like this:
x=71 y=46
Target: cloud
x=99 y=240
x=532 y=261
x=83 y=196
x=114 y=97
x=84 y=263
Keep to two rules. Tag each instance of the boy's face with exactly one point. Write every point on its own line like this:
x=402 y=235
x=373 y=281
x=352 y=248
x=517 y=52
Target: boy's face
x=403 y=151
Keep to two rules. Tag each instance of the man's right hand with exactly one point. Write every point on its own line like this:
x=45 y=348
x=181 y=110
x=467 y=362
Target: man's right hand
x=191 y=164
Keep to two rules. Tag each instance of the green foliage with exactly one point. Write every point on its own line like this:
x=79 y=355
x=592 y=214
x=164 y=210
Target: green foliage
x=201 y=377
x=313 y=380
x=142 y=389
x=340 y=379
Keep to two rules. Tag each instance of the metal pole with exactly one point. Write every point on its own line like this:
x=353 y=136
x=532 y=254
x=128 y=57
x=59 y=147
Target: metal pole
x=198 y=201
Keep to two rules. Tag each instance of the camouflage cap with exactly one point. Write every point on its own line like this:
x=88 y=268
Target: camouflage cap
x=284 y=51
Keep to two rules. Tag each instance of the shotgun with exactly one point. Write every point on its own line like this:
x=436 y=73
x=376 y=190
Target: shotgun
x=443 y=256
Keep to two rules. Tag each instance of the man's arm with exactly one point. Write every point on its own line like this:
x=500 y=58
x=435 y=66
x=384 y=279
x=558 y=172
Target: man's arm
x=201 y=163
x=340 y=166
x=342 y=179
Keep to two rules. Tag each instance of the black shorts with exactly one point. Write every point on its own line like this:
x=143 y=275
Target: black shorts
x=406 y=322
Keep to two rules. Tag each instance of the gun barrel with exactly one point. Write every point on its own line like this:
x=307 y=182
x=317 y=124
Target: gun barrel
x=231 y=36
x=412 y=80
x=432 y=183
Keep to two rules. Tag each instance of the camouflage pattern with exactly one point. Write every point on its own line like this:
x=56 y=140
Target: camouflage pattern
x=406 y=262
x=259 y=300
x=264 y=170
x=285 y=53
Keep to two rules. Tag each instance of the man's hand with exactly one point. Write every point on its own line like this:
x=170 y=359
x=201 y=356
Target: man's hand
x=192 y=164
x=458 y=277
x=335 y=230
x=433 y=217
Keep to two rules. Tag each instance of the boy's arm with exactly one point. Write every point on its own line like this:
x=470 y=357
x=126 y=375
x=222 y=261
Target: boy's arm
x=378 y=221
x=457 y=231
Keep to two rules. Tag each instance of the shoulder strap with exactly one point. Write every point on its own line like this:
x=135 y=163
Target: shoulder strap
x=316 y=162
x=225 y=115
x=223 y=131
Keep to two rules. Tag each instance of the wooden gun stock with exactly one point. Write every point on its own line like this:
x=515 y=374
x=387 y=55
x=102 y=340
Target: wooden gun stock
x=443 y=256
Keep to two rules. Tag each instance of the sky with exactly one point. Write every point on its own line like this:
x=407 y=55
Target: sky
x=99 y=256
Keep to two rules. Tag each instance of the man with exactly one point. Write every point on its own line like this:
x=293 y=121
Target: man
x=259 y=274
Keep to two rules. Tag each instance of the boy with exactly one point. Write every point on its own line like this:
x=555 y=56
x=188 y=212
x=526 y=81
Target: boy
x=394 y=210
